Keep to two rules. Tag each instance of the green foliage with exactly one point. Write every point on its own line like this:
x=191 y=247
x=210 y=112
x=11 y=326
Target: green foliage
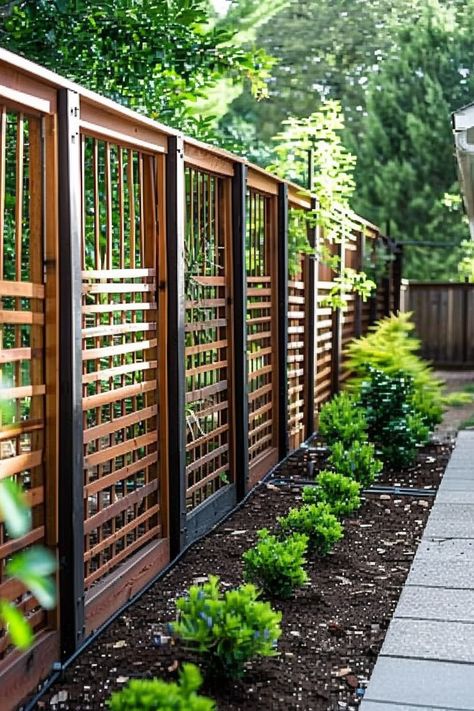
x=158 y=695
x=277 y=566
x=390 y=346
x=341 y=419
x=466 y=263
x=468 y=423
x=457 y=399
x=228 y=628
x=333 y=184
x=156 y=56
x=405 y=170
x=357 y=461
x=394 y=426
x=317 y=522
x=341 y=493
x=324 y=49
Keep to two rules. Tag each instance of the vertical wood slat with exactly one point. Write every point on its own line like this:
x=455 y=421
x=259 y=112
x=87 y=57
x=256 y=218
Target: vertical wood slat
x=175 y=212
x=310 y=326
x=71 y=523
x=51 y=246
x=282 y=252
x=239 y=288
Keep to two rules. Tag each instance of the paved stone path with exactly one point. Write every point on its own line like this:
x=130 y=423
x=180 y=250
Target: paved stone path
x=427 y=659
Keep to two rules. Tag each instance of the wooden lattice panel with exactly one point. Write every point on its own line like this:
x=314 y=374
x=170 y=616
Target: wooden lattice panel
x=260 y=348
x=22 y=320
x=296 y=350
x=120 y=342
x=206 y=338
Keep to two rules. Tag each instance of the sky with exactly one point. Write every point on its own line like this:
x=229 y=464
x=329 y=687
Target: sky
x=221 y=6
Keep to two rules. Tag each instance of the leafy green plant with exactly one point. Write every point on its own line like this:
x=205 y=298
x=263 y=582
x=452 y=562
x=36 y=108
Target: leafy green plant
x=227 y=628
x=338 y=491
x=341 y=419
x=32 y=567
x=391 y=348
x=159 y=695
x=317 y=522
x=394 y=424
x=357 y=461
x=458 y=399
x=277 y=566
x=332 y=183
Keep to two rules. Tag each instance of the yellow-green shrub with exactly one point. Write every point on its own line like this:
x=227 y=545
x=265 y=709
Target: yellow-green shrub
x=391 y=347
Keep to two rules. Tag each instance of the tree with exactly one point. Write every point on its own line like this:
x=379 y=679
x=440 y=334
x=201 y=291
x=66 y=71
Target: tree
x=325 y=49
x=406 y=169
x=156 y=56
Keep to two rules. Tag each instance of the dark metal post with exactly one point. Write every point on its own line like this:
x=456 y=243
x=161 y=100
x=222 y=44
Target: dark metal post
x=239 y=281
x=311 y=288
x=71 y=461
x=358 y=298
x=283 y=442
x=337 y=336
x=397 y=276
x=175 y=214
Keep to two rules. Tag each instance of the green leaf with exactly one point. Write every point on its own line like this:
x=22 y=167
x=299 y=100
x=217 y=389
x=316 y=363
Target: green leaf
x=19 y=630
x=14 y=509
x=35 y=560
x=33 y=567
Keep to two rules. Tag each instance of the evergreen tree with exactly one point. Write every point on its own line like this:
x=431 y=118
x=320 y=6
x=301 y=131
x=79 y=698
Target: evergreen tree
x=405 y=151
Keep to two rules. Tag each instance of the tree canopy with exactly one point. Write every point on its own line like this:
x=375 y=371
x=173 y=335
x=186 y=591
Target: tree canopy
x=157 y=56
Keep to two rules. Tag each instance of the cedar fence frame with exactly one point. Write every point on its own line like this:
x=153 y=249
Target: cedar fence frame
x=294 y=367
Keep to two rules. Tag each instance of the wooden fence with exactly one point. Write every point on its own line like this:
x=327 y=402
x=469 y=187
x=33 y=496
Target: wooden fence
x=443 y=314
x=160 y=356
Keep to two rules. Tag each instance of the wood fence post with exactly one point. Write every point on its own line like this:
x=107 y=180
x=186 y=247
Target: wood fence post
x=239 y=289
x=175 y=226
x=465 y=320
x=71 y=459
x=310 y=360
x=283 y=443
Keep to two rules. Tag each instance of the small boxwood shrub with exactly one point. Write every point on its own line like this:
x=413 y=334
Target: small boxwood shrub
x=276 y=566
x=159 y=695
x=227 y=628
x=358 y=461
x=342 y=420
x=340 y=493
x=317 y=522
x=394 y=425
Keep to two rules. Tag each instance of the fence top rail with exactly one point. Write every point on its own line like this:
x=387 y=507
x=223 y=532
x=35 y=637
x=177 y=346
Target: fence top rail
x=21 y=78
x=439 y=284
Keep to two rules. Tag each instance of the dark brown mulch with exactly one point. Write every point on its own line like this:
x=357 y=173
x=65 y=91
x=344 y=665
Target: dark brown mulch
x=332 y=630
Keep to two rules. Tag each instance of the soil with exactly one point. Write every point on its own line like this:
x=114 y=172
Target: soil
x=332 y=630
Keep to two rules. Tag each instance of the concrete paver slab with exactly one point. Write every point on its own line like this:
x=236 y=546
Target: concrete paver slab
x=430 y=639
x=450 y=521
x=456 y=484
x=436 y=604
x=444 y=563
x=442 y=685
x=461 y=496
x=381 y=706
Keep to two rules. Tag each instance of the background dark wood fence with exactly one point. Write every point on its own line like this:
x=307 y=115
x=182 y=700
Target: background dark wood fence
x=444 y=317
x=160 y=356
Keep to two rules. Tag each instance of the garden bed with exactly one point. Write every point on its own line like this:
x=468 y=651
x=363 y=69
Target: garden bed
x=332 y=630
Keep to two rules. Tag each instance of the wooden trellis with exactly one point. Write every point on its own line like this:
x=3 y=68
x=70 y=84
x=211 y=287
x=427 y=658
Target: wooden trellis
x=157 y=355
